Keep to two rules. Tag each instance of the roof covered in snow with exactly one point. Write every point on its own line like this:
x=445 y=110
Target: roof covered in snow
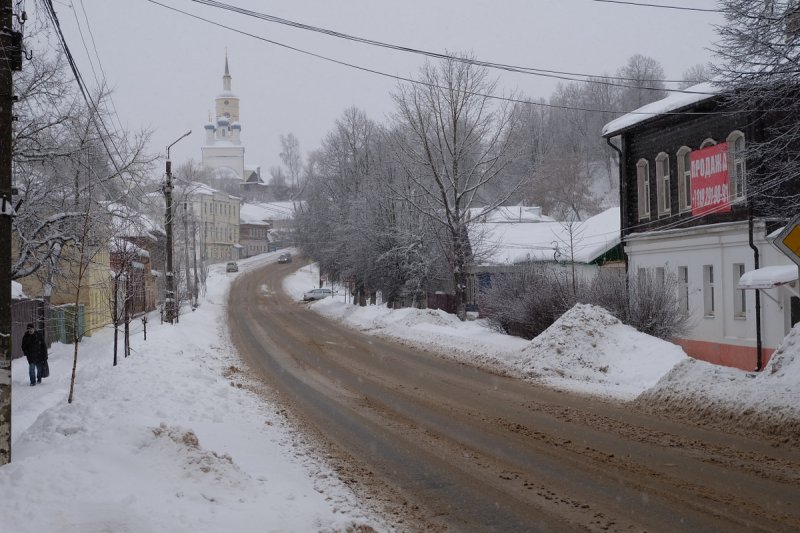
x=511 y=213
x=498 y=243
x=127 y=222
x=674 y=102
x=259 y=213
x=16 y=291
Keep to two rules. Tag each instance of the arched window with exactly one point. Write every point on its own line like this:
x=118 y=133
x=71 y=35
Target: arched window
x=708 y=142
x=662 y=184
x=643 y=181
x=684 y=178
x=737 y=170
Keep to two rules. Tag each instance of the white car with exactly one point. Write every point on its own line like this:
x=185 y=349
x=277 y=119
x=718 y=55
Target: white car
x=316 y=294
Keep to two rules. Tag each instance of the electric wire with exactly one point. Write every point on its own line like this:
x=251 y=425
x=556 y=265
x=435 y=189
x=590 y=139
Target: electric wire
x=433 y=86
x=96 y=116
x=99 y=63
x=561 y=75
x=662 y=6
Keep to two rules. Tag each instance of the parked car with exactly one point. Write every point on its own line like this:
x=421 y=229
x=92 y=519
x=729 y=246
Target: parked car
x=232 y=266
x=316 y=294
x=285 y=257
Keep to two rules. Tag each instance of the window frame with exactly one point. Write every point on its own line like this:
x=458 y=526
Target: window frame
x=683 y=289
x=736 y=158
x=684 y=178
x=663 y=192
x=709 y=307
x=739 y=295
x=643 y=188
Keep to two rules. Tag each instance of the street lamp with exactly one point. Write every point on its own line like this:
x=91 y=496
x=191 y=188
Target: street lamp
x=169 y=296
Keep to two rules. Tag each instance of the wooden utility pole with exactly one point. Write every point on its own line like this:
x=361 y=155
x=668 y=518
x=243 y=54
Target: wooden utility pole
x=10 y=60
x=170 y=304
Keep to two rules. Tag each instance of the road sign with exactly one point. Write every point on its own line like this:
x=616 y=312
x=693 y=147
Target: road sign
x=788 y=240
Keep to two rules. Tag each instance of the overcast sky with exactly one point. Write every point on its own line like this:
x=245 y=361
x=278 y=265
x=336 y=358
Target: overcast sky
x=166 y=67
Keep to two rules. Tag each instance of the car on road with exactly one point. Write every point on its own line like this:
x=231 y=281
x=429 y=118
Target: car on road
x=316 y=294
x=232 y=266
x=285 y=257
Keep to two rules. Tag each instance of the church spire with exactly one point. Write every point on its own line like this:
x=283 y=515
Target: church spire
x=226 y=79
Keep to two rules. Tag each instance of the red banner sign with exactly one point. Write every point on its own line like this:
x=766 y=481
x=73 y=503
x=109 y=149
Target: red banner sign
x=710 y=180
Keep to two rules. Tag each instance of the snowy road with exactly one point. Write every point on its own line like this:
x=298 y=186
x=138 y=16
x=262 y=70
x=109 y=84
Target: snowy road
x=439 y=445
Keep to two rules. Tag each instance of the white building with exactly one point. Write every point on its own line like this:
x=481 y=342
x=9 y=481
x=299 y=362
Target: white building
x=216 y=215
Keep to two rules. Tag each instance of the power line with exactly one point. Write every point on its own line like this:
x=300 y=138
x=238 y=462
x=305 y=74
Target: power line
x=561 y=75
x=95 y=115
x=99 y=62
x=418 y=82
x=662 y=6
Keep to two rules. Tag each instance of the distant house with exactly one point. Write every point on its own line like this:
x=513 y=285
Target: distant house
x=254 y=226
x=510 y=237
x=278 y=216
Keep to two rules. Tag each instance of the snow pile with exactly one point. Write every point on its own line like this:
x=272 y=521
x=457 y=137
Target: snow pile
x=425 y=329
x=768 y=402
x=589 y=350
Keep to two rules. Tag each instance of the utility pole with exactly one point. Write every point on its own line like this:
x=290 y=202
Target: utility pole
x=194 y=255
x=186 y=247
x=10 y=60
x=169 y=296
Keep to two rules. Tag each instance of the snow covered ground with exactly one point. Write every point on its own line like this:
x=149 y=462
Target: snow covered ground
x=174 y=439
x=171 y=439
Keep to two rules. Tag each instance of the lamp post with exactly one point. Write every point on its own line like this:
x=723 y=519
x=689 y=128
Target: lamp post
x=169 y=296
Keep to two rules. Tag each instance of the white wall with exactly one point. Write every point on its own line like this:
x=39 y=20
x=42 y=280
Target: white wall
x=721 y=246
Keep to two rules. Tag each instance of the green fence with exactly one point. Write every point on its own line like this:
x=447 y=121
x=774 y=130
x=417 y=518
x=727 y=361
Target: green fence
x=60 y=323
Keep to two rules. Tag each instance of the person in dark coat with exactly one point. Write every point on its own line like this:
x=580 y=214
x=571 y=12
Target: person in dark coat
x=35 y=350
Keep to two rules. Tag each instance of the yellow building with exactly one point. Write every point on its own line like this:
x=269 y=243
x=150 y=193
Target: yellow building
x=92 y=275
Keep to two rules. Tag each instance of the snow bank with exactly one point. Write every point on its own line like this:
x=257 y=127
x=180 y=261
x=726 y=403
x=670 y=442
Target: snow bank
x=591 y=351
x=587 y=350
x=767 y=402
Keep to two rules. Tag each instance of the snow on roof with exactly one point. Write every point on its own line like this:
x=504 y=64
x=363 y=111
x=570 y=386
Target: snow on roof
x=511 y=213
x=119 y=245
x=258 y=213
x=127 y=222
x=768 y=277
x=515 y=242
x=16 y=291
x=673 y=102
x=201 y=189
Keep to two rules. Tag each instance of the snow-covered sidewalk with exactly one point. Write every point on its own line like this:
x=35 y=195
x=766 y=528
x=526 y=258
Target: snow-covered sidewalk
x=168 y=440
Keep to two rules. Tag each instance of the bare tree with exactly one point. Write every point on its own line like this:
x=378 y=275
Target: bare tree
x=696 y=74
x=453 y=139
x=643 y=80
x=759 y=70
x=563 y=188
x=292 y=160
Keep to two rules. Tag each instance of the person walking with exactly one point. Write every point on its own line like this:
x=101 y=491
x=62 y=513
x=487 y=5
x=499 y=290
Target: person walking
x=35 y=350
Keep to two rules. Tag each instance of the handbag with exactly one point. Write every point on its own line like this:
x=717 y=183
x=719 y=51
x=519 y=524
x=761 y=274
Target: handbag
x=45 y=369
